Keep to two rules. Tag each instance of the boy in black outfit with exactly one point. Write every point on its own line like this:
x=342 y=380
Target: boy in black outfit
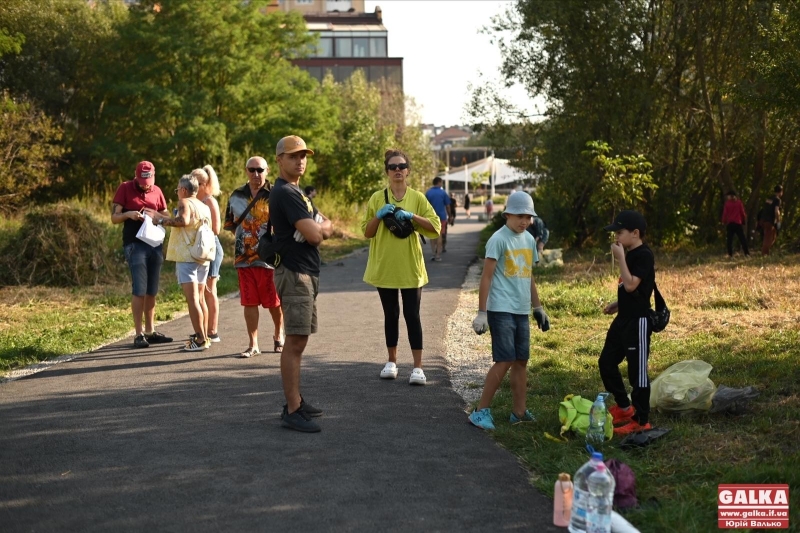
x=628 y=336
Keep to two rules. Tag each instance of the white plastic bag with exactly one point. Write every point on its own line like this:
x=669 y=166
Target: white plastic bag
x=682 y=388
x=150 y=233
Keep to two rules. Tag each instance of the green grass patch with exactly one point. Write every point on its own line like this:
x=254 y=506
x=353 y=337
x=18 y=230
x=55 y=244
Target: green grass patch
x=716 y=319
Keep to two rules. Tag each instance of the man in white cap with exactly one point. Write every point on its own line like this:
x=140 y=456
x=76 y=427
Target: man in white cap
x=130 y=201
x=298 y=231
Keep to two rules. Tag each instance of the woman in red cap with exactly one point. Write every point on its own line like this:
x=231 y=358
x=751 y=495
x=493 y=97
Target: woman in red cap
x=132 y=200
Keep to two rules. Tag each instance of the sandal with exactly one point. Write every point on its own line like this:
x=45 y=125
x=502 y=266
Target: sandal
x=250 y=352
x=278 y=346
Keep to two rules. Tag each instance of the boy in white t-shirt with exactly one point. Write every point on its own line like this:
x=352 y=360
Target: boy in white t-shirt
x=506 y=292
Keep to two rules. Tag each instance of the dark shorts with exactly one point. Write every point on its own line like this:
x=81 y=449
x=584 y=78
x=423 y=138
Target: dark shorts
x=511 y=337
x=298 y=293
x=213 y=268
x=144 y=262
x=256 y=287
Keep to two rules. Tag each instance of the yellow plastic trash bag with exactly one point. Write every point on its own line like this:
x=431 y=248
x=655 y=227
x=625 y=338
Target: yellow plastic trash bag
x=573 y=413
x=683 y=388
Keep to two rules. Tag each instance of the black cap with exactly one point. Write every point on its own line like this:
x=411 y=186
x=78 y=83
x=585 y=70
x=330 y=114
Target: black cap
x=629 y=220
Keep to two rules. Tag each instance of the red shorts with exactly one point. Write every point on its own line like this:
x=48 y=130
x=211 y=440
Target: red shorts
x=256 y=287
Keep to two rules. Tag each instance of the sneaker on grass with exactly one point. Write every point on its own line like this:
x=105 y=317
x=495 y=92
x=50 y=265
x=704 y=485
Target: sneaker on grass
x=526 y=417
x=389 y=371
x=140 y=342
x=157 y=338
x=620 y=415
x=482 y=418
x=300 y=421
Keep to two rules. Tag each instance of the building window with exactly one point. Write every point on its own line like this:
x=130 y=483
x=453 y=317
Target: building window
x=325 y=47
x=343 y=72
x=304 y=1
x=344 y=47
x=376 y=73
x=377 y=47
x=316 y=72
x=394 y=75
x=360 y=47
x=338 y=5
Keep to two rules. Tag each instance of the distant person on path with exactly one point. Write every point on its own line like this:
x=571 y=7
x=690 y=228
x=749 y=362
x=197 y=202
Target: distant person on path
x=489 y=208
x=395 y=265
x=540 y=234
x=144 y=261
x=507 y=292
x=628 y=337
x=734 y=218
x=440 y=201
x=256 y=283
x=208 y=191
x=466 y=205
x=770 y=220
x=298 y=230
x=453 y=205
x=191 y=274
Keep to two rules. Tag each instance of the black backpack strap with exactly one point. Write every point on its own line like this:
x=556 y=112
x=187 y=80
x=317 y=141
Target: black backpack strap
x=660 y=303
x=386 y=195
x=250 y=206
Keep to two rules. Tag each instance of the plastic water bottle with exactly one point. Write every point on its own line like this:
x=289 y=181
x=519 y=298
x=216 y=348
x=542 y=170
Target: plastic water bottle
x=580 y=493
x=562 y=500
x=596 y=435
x=601 y=499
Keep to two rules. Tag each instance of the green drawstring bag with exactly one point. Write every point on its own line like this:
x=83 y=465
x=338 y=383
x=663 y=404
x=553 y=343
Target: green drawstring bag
x=573 y=413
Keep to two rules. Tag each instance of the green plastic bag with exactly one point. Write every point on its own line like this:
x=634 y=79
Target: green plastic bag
x=573 y=413
x=683 y=388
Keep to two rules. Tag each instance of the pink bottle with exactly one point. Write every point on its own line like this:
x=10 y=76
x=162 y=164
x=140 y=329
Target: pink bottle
x=562 y=501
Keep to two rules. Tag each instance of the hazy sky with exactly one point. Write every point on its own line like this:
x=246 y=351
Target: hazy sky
x=443 y=51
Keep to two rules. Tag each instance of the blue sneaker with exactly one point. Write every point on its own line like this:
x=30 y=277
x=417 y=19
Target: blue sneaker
x=527 y=417
x=482 y=418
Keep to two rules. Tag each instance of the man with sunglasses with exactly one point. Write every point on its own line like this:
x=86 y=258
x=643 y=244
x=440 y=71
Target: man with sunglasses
x=299 y=229
x=256 y=284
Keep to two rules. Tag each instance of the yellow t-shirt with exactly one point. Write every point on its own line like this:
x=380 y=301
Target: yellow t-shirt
x=177 y=249
x=396 y=263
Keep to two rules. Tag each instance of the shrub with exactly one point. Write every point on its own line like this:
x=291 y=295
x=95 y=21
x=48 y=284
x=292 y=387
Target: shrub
x=63 y=246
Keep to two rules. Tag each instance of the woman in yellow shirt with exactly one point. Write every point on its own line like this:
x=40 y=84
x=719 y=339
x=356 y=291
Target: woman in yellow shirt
x=191 y=274
x=395 y=265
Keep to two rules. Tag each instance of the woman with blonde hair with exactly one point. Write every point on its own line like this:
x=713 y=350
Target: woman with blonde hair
x=208 y=189
x=395 y=265
x=191 y=274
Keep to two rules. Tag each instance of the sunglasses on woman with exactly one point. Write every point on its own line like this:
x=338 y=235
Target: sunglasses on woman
x=400 y=166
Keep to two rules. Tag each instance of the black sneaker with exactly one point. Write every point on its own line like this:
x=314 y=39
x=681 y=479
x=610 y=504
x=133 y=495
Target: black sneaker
x=309 y=409
x=140 y=342
x=300 y=421
x=158 y=338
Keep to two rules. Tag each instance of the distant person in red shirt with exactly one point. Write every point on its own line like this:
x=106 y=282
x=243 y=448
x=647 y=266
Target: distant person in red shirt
x=734 y=218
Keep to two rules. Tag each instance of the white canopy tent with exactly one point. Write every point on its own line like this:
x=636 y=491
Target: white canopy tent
x=500 y=172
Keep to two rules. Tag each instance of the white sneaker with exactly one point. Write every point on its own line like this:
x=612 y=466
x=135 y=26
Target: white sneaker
x=389 y=371
x=417 y=377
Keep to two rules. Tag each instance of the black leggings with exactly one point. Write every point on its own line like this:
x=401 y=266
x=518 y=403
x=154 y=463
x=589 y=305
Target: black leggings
x=391 y=313
x=738 y=231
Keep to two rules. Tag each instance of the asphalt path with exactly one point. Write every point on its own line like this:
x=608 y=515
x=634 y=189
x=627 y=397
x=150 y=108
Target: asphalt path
x=160 y=439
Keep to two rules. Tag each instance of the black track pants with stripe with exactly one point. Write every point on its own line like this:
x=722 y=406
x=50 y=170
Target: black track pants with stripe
x=628 y=339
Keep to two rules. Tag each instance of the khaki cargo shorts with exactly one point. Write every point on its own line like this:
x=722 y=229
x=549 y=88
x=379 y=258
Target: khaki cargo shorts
x=298 y=294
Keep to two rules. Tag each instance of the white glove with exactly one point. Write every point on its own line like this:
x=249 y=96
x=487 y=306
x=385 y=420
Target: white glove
x=299 y=236
x=481 y=323
x=318 y=219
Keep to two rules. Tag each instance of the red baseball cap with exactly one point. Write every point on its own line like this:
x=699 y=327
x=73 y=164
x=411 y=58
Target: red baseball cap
x=146 y=173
